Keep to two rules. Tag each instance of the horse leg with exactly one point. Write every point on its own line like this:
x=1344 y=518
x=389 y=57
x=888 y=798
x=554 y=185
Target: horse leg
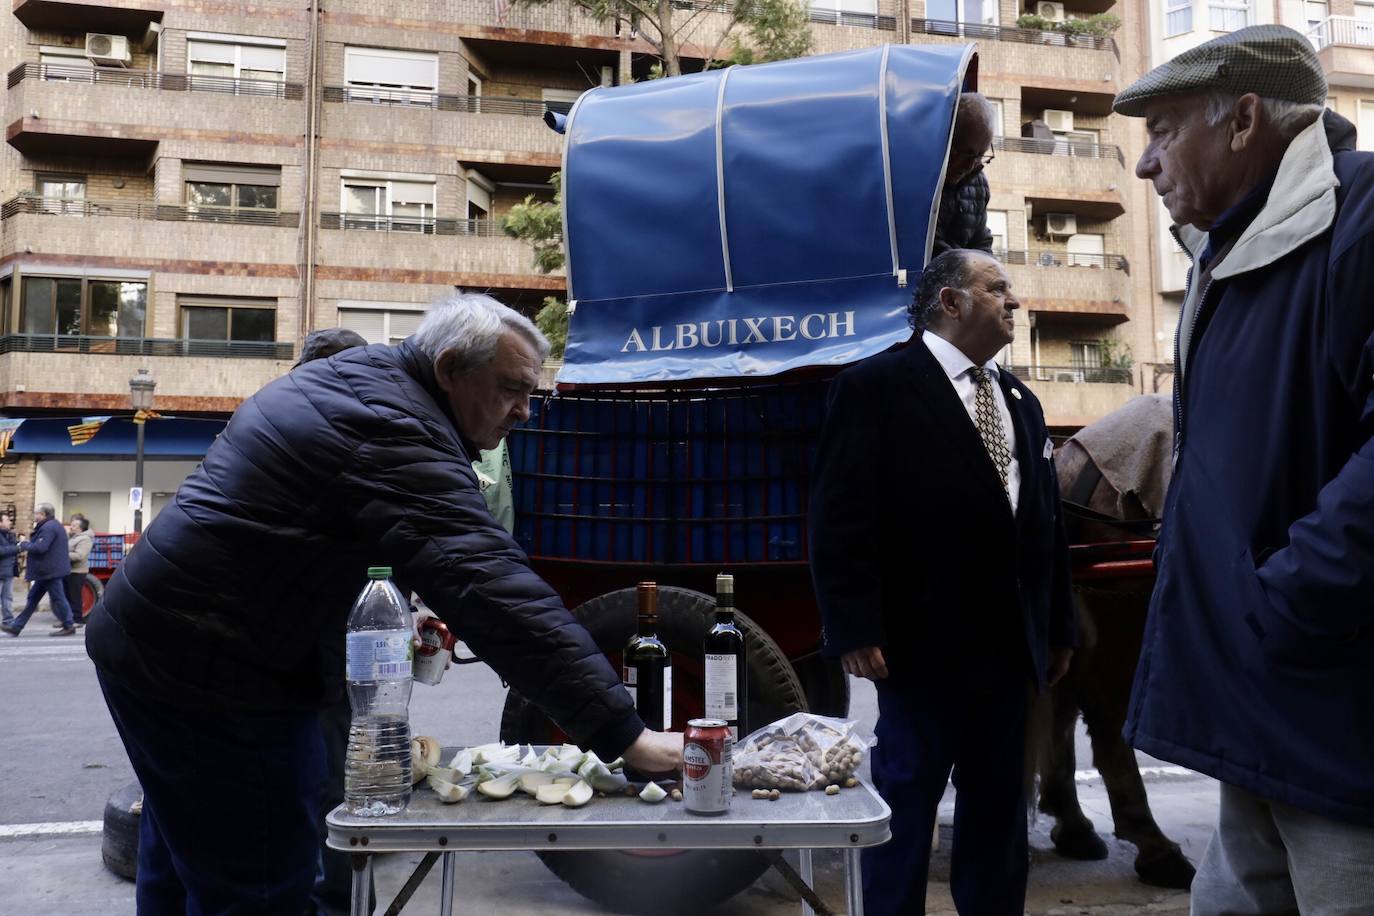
x=1073 y=834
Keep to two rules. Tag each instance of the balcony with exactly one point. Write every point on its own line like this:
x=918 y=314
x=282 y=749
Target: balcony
x=146 y=79
x=1087 y=286
x=1074 y=396
x=481 y=247
x=1075 y=375
x=56 y=15
x=561 y=18
x=51 y=206
x=1060 y=148
x=1344 y=45
x=472 y=104
x=977 y=31
x=145 y=346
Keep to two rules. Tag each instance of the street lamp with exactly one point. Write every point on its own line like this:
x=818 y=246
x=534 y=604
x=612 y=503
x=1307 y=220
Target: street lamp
x=141 y=388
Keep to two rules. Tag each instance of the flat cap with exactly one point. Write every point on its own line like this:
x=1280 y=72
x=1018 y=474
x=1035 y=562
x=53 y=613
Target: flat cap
x=1272 y=61
x=327 y=342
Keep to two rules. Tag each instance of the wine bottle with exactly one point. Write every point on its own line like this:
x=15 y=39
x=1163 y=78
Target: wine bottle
x=648 y=668
x=726 y=686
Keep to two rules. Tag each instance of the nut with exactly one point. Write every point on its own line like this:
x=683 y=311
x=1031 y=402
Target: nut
x=676 y=794
x=832 y=789
x=774 y=795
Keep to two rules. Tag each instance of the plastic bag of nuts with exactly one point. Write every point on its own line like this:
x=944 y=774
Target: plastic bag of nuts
x=800 y=753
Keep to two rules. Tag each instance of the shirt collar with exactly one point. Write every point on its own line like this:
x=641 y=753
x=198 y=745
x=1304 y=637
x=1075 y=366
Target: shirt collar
x=951 y=358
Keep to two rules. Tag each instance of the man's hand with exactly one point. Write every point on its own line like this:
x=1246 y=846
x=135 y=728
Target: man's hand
x=867 y=662
x=421 y=613
x=655 y=752
x=1059 y=664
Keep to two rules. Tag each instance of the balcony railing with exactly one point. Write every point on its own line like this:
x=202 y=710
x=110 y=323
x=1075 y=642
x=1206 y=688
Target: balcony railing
x=1005 y=33
x=80 y=207
x=145 y=346
x=1342 y=30
x=1111 y=375
x=145 y=79
x=820 y=15
x=1060 y=148
x=1060 y=258
x=473 y=104
x=422 y=225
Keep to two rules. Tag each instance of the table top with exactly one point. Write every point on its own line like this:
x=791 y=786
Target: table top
x=798 y=820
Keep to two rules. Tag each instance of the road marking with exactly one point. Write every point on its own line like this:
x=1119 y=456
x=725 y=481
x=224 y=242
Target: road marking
x=55 y=828
x=1145 y=773
x=67 y=651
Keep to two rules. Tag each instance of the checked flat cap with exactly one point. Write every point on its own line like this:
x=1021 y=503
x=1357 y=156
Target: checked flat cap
x=1272 y=61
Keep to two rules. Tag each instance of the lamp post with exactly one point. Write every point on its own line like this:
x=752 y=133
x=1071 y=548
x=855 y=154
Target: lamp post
x=141 y=388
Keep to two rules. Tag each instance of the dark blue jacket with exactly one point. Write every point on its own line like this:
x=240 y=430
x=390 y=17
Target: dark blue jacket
x=1258 y=660
x=47 y=548
x=962 y=220
x=237 y=596
x=914 y=547
x=9 y=554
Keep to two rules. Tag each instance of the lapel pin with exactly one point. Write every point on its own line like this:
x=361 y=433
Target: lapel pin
x=1016 y=394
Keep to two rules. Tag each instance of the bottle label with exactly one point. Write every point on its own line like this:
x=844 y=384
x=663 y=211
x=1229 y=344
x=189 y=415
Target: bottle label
x=374 y=655
x=629 y=676
x=722 y=689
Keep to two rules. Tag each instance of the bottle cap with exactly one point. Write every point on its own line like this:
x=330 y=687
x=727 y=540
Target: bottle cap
x=725 y=584
x=379 y=572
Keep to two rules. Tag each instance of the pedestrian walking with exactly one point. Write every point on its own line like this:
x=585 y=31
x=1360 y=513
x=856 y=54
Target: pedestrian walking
x=47 y=571
x=9 y=568
x=79 y=544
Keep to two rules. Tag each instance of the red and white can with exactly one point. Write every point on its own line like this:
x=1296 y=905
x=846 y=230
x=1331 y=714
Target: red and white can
x=707 y=777
x=436 y=648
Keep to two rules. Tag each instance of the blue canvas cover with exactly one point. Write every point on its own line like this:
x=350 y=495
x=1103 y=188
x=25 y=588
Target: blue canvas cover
x=754 y=220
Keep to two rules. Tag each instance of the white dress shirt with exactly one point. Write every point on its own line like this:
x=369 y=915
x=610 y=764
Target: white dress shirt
x=958 y=368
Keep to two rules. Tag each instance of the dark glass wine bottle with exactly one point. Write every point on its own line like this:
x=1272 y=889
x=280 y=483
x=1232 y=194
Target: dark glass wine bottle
x=727 y=689
x=648 y=670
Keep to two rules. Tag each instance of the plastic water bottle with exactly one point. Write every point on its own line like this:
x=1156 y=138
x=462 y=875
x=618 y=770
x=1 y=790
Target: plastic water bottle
x=378 y=669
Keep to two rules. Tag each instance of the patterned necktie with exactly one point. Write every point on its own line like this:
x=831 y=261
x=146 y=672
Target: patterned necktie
x=988 y=419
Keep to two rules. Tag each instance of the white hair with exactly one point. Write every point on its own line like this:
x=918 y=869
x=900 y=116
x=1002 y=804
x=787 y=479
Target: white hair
x=976 y=105
x=1288 y=118
x=469 y=325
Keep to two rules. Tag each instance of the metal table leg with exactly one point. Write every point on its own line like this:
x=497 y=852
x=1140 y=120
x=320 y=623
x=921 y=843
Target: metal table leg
x=853 y=883
x=446 y=885
x=804 y=860
x=362 y=880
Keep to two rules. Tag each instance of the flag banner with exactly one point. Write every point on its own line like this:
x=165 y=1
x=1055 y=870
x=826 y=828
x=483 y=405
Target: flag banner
x=85 y=431
x=782 y=213
x=144 y=415
x=7 y=430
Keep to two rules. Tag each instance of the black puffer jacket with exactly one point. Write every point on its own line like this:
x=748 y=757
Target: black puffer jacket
x=963 y=217
x=237 y=596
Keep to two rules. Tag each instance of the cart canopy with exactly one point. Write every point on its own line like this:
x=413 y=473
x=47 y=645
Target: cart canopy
x=754 y=220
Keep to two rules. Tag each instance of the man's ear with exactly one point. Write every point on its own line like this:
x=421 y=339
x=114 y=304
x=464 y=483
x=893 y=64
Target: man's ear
x=949 y=301
x=1247 y=122
x=443 y=370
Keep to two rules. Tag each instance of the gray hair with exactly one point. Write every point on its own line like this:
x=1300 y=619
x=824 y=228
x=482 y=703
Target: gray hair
x=45 y=509
x=947 y=269
x=975 y=105
x=1289 y=118
x=469 y=325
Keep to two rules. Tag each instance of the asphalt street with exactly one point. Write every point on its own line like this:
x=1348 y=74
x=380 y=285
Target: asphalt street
x=62 y=759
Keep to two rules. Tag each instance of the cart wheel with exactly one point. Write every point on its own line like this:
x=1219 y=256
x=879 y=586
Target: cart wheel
x=682 y=881
x=119 y=846
x=826 y=685
x=91 y=591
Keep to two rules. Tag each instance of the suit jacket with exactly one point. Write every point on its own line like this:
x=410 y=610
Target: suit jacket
x=913 y=544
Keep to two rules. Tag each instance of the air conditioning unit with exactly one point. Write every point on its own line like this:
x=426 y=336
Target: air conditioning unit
x=1058 y=121
x=1051 y=11
x=151 y=35
x=1061 y=224
x=108 y=50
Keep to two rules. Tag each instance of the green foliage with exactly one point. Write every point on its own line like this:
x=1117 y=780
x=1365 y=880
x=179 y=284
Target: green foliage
x=552 y=319
x=1101 y=25
x=777 y=30
x=1116 y=354
x=540 y=222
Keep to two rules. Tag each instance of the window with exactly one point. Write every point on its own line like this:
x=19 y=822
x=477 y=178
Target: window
x=381 y=325
x=969 y=12
x=1364 y=124
x=1076 y=143
x=215 y=191
x=474 y=93
x=998 y=117
x=1364 y=24
x=65 y=64
x=243 y=66
x=1085 y=354
x=1228 y=15
x=1316 y=11
x=1087 y=249
x=560 y=100
x=392 y=77
x=1178 y=17
x=76 y=307
x=997 y=224
x=226 y=319
x=403 y=206
x=479 y=196
x=61 y=194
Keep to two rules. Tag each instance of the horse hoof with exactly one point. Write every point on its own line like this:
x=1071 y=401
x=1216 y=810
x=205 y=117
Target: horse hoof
x=1083 y=843
x=1168 y=868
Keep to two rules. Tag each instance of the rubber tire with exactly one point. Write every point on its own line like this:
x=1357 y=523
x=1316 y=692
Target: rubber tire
x=826 y=685
x=119 y=844
x=691 y=881
x=94 y=587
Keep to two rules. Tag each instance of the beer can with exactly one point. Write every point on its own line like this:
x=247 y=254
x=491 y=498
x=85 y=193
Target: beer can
x=707 y=770
x=436 y=648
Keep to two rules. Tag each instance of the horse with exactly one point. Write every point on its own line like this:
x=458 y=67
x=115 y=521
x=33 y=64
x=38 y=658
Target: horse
x=1112 y=476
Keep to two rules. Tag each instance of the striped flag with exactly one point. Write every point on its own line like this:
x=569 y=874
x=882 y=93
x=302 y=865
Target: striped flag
x=144 y=415
x=7 y=430
x=85 y=431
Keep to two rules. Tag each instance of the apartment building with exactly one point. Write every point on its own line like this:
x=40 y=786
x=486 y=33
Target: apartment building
x=191 y=187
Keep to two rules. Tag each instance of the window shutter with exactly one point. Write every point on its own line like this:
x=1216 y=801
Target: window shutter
x=391 y=68
x=403 y=324
x=370 y=324
x=256 y=58
x=211 y=51
x=223 y=173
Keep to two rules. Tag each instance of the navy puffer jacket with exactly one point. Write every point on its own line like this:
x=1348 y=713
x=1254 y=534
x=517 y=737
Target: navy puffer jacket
x=237 y=596
x=47 y=550
x=963 y=218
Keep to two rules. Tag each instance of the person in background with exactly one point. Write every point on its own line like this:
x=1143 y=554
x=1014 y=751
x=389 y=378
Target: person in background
x=79 y=543
x=1257 y=666
x=47 y=569
x=9 y=567
x=962 y=221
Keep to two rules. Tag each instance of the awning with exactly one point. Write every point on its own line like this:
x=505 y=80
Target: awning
x=165 y=437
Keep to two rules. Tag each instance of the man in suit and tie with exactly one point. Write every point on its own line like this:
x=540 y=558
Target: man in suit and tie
x=941 y=570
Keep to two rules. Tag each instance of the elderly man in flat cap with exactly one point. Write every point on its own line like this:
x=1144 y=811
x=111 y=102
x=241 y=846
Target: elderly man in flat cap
x=1258 y=664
